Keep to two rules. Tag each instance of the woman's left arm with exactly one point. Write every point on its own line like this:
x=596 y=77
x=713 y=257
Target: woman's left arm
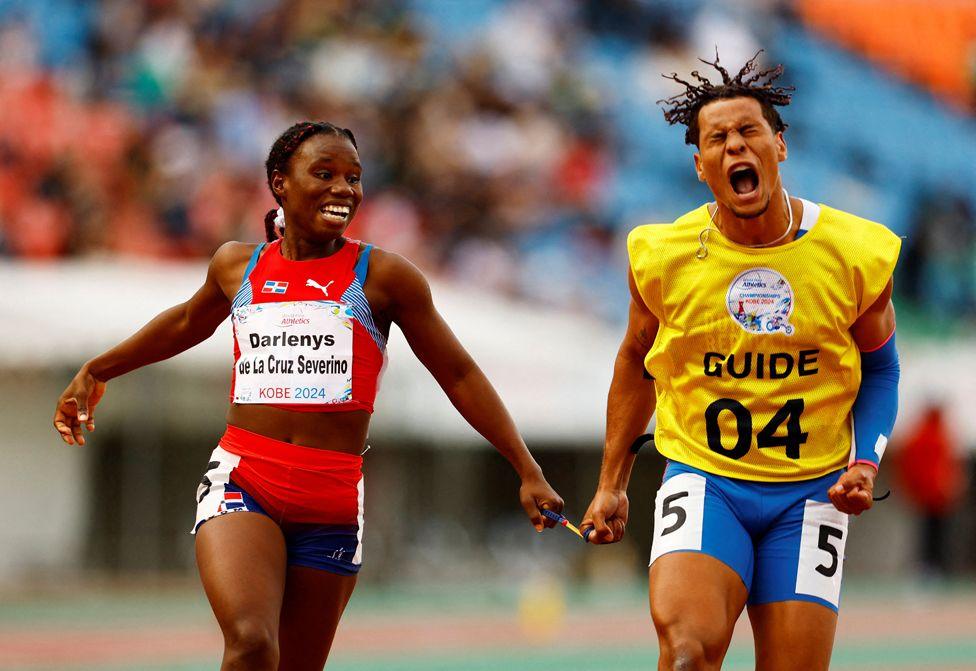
x=411 y=307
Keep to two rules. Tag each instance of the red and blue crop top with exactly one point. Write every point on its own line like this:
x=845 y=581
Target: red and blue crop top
x=304 y=335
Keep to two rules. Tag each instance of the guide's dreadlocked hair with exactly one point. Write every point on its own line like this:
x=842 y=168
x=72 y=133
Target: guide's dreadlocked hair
x=750 y=82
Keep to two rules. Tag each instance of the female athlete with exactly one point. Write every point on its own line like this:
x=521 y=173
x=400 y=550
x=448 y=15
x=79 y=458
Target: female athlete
x=311 y=312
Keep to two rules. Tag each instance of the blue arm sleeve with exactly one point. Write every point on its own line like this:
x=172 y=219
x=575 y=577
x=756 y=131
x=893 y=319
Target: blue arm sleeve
x=876 y=404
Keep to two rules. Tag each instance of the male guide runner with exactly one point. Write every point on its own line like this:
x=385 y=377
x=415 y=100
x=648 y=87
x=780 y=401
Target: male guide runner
x=766 y=326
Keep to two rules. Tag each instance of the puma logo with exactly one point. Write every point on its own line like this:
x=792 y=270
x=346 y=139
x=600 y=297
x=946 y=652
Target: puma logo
x=325 y=289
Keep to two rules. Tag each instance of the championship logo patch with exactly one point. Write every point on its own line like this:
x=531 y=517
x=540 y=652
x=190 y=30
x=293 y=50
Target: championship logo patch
x=760 y=300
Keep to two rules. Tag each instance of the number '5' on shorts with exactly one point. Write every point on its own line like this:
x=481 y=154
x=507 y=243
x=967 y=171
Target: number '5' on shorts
x=784 y=539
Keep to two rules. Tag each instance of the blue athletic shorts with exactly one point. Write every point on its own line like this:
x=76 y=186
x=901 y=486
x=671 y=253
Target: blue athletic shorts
x=784 y=539
x=329 y=547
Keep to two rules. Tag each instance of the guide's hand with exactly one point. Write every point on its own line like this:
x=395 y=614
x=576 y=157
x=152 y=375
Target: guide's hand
x=606 y=518
x=76 y=407
x=535 y=494
x=854 y=491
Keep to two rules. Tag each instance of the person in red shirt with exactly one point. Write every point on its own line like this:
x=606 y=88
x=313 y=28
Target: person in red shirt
x=932 y=475
x=311 y=311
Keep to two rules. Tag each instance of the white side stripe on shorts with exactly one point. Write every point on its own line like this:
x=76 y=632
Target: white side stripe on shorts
x=358 y=557
x=679 y=512
x=210 y=496
x=820 y=565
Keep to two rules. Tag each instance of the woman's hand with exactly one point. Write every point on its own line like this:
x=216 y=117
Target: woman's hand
x=76 y=407
x=535 y=495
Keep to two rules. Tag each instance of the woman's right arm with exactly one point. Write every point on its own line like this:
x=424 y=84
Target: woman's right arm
x=169 y=333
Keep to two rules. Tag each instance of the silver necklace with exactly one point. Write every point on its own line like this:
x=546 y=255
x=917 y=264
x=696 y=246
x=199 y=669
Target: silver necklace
x=703 y=236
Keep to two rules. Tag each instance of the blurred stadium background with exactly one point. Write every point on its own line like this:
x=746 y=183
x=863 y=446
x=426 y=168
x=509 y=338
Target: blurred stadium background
x=509 y=146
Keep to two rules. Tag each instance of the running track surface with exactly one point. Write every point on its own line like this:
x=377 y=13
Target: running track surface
x=889 y=627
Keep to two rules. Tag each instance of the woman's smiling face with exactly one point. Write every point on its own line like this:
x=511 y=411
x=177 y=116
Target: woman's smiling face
x=322 y=188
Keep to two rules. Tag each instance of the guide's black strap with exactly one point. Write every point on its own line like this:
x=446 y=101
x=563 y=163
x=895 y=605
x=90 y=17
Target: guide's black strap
x=882 y=498
x=640 y=441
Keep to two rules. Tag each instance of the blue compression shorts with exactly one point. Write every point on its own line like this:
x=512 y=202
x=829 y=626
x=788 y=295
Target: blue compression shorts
x=785 y=540
x=328 y=547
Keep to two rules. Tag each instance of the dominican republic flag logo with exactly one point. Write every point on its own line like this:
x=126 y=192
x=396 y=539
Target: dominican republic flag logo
x=272 y=287
x=232 y=501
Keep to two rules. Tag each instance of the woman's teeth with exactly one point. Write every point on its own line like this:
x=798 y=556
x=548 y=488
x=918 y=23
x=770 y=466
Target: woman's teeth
x=336 y=212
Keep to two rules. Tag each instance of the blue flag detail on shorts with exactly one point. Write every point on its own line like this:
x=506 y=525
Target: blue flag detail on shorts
x=273 y=287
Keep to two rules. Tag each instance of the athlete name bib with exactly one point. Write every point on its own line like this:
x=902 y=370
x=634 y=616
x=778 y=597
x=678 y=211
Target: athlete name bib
x=294 y=352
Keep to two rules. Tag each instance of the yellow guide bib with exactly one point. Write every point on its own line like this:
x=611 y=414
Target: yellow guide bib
x=754 y=364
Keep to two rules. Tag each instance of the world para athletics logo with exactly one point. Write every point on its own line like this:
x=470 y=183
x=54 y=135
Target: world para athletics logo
x=760 y=300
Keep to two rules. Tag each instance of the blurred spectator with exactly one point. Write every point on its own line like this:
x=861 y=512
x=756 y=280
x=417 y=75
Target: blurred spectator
x=930 y=469
x=506 y=142
x=937 y=266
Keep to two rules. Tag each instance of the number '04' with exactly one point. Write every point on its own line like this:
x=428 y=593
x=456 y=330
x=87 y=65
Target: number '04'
x=789 y=413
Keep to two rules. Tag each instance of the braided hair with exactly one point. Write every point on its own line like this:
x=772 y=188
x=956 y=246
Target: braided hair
x=283 y=149
x=750 y=82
